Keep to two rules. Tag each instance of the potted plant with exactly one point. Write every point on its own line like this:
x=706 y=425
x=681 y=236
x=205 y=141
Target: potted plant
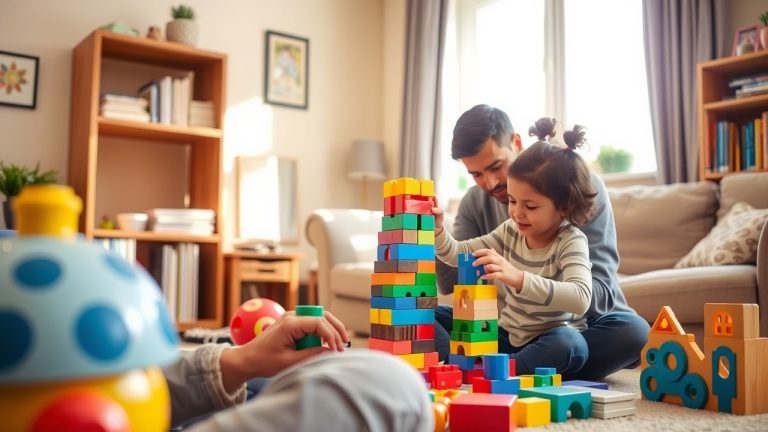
x=183 y=29
x=614 y=160
x=764 y=30
x=13 y=178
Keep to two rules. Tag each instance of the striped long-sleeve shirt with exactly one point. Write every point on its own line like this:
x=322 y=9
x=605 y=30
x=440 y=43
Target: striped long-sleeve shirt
x=557 y=285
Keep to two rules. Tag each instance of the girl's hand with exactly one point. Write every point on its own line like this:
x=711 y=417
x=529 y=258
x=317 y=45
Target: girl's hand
x=497 y=268
x=438 y=213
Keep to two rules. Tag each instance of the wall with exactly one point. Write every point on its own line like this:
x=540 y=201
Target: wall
x=743 y=13
x=355 y=83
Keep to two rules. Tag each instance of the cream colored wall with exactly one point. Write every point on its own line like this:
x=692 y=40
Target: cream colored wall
x=355 y=84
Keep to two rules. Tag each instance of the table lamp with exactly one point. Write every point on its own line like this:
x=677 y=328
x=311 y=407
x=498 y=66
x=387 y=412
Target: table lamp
x=366 y=163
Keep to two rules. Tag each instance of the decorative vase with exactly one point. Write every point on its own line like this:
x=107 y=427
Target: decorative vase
x=8 y=214
x=182 y=30
x=764 y=38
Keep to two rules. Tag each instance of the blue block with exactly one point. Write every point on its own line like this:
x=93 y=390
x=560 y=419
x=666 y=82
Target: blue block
x=544 y=371
x=658 y=379
x=590 y=384
x=411 y=252
x=382 y=253
x=496 y=367
x=506 y=386
x=562 y=400
x=393 y=302
x=724 y=388
x=466 y=362
x=468 y=274
x=413 y=316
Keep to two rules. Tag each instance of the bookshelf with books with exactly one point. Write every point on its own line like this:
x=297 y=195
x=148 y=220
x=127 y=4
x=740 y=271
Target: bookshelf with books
x=733 y=113
x=132 y=165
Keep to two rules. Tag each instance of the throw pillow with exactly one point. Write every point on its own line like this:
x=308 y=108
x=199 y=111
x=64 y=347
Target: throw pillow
x=733 y=240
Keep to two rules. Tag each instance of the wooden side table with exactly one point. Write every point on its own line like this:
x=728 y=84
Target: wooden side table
x=275 y=271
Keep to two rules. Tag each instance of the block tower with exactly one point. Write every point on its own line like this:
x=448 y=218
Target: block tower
x=475 y=320
x=403 y=283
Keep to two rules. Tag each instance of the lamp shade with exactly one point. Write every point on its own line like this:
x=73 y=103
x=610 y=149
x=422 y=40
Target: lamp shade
x=366 y=160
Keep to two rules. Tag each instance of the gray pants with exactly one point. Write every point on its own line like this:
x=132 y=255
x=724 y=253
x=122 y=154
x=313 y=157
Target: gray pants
x=358 y=390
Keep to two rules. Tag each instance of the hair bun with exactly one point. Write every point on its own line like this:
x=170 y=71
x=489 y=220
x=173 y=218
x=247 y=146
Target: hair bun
x=543 y=129
x=576 y=137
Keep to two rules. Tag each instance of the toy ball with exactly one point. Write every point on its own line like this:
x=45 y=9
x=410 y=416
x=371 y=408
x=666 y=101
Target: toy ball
x=253 y=318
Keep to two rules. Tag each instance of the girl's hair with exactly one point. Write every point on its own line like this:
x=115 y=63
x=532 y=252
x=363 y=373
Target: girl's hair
x=557 y=172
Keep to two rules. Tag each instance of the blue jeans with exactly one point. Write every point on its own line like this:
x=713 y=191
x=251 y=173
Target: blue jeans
x=611 y=342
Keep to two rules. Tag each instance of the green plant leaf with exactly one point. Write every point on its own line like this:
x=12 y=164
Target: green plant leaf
x=14 y=177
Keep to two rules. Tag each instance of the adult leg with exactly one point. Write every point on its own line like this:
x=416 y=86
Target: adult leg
x=351 y=391
x=615 y=341
x=443 y=326
x=562 y=348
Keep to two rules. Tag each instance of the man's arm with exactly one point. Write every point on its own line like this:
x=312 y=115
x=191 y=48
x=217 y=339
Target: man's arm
x=466 y=226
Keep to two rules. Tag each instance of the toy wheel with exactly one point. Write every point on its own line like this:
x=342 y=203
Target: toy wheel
x=694 y=391
x=649 y=385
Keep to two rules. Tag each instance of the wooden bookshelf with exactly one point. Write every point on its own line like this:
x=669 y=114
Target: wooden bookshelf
x=717 y=102
x=97 y=69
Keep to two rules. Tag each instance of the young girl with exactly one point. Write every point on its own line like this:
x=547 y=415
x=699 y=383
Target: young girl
x=539 y=254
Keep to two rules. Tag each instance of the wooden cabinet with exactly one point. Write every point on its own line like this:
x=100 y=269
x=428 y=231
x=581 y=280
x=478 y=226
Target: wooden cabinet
x=122 y=166
x=717 y=103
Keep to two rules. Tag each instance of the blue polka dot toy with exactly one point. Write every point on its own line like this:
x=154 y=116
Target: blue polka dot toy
x=69 y=308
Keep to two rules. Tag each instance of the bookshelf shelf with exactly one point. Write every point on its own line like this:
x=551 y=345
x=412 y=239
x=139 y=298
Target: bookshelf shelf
x=717 y=104
x=120 y=166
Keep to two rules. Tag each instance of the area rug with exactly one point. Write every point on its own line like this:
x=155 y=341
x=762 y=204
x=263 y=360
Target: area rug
x=659 y=416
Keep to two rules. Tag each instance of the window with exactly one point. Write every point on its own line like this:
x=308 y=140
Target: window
x=570 y=59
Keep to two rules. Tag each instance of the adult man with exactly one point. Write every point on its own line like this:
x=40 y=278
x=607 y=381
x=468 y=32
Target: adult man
x=485 y=142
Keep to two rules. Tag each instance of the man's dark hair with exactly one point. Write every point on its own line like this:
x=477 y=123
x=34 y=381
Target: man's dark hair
x=475 y=126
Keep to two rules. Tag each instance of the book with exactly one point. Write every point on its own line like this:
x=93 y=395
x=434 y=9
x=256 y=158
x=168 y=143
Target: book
x=151 y=93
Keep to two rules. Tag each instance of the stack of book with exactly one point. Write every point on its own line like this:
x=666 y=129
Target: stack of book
x=201 y=114
x=169 y=99
x=182 y=221
x=176 y=269
x=122 y=107
x=750 y=86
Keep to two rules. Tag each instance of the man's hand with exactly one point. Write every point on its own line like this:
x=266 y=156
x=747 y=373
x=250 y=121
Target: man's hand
x=439 y=214
x=497 y=268
x=275 y=349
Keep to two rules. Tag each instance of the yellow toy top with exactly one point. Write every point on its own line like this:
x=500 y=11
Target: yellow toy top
x=47 y=210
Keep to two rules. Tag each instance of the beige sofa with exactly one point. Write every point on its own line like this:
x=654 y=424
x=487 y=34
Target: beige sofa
x=656 y=226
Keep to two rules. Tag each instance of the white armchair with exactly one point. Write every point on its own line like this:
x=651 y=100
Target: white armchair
x=346 y=241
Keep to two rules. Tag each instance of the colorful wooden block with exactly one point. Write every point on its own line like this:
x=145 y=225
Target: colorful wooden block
x=474 y=348
x=444 y=377
x=475 y=337
x=414 y=204
x=427 y=222
x=526 y=381
x=406 y=316
x=393 y=302
x=467 y=273
x=399 y=221
x=376 y=290
x=532 y=412
x=398 y=266
x=542 y=380
x=392 y=347
x=426 y=302
x=422 y=345
x=375 y=316
x=406 y=186
x=426 y=266
x=415 y=360
x=426 y=187
x=496 y=366
x=467 y=376
x=562 y=400
x=393 y=278
x=431 y=359
x=409 y=291
x=482 y=412
x=410 y=252
x=425 y=237
x=475 y=315
x=468 y=326
x=425 y=331
x=466 y=362
x=476 y=292
x=395 y=333
x=544 y=371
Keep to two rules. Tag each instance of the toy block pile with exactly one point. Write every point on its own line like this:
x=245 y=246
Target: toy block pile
x=403 y=283
x=475 y=320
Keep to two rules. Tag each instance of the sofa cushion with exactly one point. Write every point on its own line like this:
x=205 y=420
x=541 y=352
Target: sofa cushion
x=658 y=225
x=352 y=279
x=732 y=241
x=748 y=187
x=688 y=290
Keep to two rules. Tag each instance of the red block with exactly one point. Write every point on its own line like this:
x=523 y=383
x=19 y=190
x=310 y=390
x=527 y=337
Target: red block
x=425 y=331
x=393 y=347
x=512 y=368
x=431 y=359
x=469 y=375
x=443 y=377
x=481 y=385
x=413 y=204
x=389 y=206
x=482 y=412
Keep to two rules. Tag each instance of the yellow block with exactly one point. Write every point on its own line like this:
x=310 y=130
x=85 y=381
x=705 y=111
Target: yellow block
x=526 y=381
x=389 y=187
x=427 y=188
x=426 y=237
x=415 y=360
x=557 y=380
x=385 y=316
x=375 y=317
x=474 y=291
x=406 y=186
x=474 y=348
x=532 y=412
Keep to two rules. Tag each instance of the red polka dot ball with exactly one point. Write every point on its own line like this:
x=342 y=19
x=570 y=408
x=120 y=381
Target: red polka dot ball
x=253 y=318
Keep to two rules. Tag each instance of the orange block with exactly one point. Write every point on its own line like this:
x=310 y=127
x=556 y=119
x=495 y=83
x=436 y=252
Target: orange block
x=393 y=278
x=392 y=347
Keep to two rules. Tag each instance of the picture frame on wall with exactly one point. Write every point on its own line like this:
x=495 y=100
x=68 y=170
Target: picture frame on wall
x=286 y=70
x=750 y=32
x=18 y=79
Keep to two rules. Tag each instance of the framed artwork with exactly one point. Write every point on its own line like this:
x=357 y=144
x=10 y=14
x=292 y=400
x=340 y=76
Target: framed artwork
x=18 y=79
x=744 y=33
x=286 y=70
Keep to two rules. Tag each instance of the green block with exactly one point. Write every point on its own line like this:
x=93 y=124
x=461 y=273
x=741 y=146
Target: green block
x=480 y=337
x=409 y=290
x=427 y=222
x=542 y=380
x=425 y=279
x=467 y=326
x=309 y=341
x=400 y=221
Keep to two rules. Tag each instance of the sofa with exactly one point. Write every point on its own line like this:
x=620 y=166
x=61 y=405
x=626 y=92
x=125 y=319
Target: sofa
x=656 y=227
